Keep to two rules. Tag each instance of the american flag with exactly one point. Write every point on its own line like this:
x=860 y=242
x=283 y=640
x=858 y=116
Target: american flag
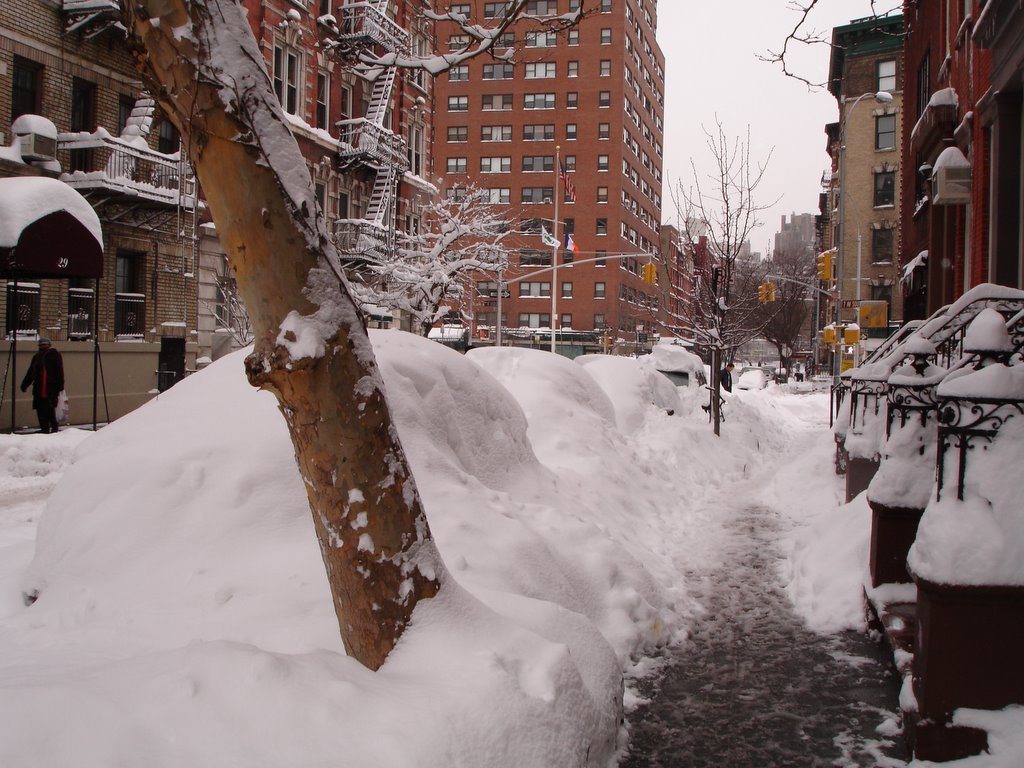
x=570 y=190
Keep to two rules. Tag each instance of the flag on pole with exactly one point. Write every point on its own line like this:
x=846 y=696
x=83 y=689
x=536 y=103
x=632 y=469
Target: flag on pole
x=570 y=189
x=570 y=244
x=547 y=238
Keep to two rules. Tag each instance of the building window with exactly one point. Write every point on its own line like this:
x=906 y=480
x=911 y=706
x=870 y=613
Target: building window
x=885 y=188
x=606 y=6
x=537 y=194
x=458 y=42
x=456 y=165
x=168 y=141
x=499 y=195
x=885 y=132
x=604 y=98
x=602 y=194
x=458 y=103
x=538 y=132
x=496 y=133
x=537 y=163
x=541 y=7
x=540 y=70
x=887 y=75
x=22 y=309
x=26 y=87
x=345 y=107
x=532 y=258
x=287 y=71
x=570 y=131
x=505 y=40
x=602 y=162
x=566 y=319
x=882 y=246
x=458 y=134
x=323 y=91
x=495 y=165
x=602 y=227
x=416 y=150
x=606 y=36
x=541 y=39
x=567 y=290
x=600 y=258
x=462 y=8
x=599 y=322
x=571 y=100
x=499 y=71
x=125 y=105
x=538 y=101
x=497 y=102
x=572 y=37
x=606 y=68
x=534 y=290
x=573 y=69
x=569 y=161
x=603 y=130
x=83 y=118
x=599 y=290
x=458 y=73
x=534 y=320
x=493 y=10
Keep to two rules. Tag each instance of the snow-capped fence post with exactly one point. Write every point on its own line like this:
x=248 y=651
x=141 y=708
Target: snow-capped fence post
x=900 y=489
x=968 y=558
x=863 y=438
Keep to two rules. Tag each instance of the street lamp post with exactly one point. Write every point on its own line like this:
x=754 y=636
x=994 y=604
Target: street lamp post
x=881 y=97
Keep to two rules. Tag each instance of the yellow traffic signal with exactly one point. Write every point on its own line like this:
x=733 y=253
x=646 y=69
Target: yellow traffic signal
x=762 y=292
x=851 y=334
x=649 y=273
x=824 y=266
x=828 y=334
x=771 y=291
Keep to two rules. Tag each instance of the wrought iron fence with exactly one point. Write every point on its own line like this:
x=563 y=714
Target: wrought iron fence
x=22 y=310
x=81 y=304
x=129 y=315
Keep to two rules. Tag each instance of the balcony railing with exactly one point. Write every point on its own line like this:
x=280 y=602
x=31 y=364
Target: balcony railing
x=116 y=167
x=129 y=316
x=363 y=141
x=359 y=239
x=363 y=24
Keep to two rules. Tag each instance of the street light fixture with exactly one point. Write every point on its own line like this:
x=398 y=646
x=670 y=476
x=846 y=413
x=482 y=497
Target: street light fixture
x=880 y=97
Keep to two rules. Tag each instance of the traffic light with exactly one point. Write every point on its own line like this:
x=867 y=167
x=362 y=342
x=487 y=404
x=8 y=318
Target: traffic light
x=649 y=273
x=766 y=292
x=771 y=291
x=824 y=266
x=828 y=334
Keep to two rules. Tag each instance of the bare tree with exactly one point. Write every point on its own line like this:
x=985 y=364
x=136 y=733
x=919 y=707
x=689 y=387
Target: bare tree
x=804 y=34
x=719 y=215
x=427 y=272
x=311 y=346
x=791 y=276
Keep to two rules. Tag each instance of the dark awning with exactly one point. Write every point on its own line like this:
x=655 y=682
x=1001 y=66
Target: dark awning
x=49 y=230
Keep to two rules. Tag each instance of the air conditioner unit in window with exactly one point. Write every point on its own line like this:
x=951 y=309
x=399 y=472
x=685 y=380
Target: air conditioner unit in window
x=35 y=146
x=951 y=178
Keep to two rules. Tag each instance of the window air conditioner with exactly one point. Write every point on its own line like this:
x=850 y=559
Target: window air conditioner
x=35 y=146
x=951 y=186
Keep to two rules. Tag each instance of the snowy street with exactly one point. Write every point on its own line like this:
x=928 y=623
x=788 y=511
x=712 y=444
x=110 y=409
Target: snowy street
x=752 y=685
x=591 y=527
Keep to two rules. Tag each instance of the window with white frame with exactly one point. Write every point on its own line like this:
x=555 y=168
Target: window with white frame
x=534 y=320
x=456 y=165
x=287 y=73
x=540 y=70
x=538 y=163
x=886 y=75
x=532 y=195
x=496 y=133
x=458 y=103
x=492 y=102
x=459 y=73
x=323 y=99
x=495 y=165
x=499 y=71
x=529 y=289
x=458 y=134
x=599 y=290
x=543 y=132
x=537 y=39
x=499 y=195
x=538 y=101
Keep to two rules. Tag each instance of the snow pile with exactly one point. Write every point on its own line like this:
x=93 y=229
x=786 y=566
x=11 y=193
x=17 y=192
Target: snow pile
x=183 y=614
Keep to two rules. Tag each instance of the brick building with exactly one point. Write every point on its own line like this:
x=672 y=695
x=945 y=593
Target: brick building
x=946 y=149
x=116 y=150
x=593 y=99
x=867 y=60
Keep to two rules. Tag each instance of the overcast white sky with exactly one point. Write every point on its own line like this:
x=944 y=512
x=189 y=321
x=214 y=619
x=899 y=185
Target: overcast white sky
x=712 y=69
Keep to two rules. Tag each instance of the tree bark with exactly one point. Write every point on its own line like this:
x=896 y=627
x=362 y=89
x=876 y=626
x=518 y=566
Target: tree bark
x=311 y=350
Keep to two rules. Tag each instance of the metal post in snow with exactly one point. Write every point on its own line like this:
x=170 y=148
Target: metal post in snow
x=554 y=256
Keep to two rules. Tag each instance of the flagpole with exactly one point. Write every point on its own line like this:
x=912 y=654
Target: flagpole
x=554 y=255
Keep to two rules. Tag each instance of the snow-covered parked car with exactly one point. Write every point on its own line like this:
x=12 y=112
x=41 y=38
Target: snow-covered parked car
x=752 y=378
x=677 y=364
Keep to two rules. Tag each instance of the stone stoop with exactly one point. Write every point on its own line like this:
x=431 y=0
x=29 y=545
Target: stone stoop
x=892 y=615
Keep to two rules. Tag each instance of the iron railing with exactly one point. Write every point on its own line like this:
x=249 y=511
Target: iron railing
x=129 y=315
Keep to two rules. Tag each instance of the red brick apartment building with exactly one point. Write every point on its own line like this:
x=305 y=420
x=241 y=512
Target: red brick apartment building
x=594 y=98
x=961 y=222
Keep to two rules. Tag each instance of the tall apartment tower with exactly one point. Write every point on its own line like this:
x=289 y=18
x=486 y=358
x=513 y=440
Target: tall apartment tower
x=592 y=100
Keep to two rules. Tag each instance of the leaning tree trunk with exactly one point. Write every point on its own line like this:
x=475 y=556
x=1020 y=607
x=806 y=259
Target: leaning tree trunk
x=311 y=350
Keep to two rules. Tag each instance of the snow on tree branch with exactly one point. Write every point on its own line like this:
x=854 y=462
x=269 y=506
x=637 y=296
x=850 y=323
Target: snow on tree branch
x=430 y=269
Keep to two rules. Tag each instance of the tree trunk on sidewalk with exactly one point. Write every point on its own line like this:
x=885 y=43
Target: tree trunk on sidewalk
x=312 y=350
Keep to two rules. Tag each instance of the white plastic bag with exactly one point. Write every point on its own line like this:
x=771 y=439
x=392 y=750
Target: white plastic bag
x=62 y=409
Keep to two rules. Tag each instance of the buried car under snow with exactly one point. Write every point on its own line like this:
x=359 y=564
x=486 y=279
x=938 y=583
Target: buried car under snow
x=678 y=365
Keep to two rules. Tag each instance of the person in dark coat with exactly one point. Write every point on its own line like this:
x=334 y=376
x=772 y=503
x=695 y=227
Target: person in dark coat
x=46 y=377
x=725 y=377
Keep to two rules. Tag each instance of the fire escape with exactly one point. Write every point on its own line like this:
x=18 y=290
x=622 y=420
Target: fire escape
x=368 y=142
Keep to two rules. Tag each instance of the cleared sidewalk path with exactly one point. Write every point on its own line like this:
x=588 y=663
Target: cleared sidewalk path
x=753 y=688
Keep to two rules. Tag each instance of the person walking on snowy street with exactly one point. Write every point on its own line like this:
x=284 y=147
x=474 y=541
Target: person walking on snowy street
x=725 y=377
x=46 y=376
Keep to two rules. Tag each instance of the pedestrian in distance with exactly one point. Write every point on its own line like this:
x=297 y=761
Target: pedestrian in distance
x=725 y=377
x=46 y=377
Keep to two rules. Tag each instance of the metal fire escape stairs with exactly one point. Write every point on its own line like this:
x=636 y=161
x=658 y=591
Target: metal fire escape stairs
x=368 y=142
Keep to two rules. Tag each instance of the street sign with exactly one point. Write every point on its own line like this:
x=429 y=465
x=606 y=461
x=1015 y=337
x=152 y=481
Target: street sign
x=850 y=303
